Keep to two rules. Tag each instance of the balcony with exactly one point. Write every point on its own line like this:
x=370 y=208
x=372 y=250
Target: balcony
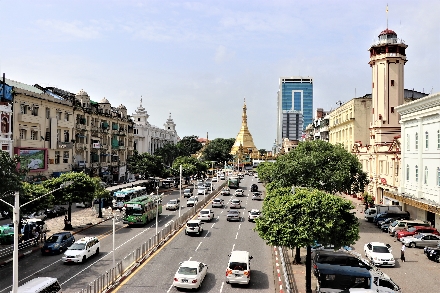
x=114 y=163
x=115 y=131
x=130 y=148
x=81 y=126
x=122 y=147
x=64 y=123
x=79 y=145
x=29 y=118
x=104 y=164
x=95 y=165
x=95 y=128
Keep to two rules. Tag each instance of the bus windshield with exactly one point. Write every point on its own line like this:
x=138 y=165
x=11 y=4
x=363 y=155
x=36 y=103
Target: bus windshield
x=137 y=211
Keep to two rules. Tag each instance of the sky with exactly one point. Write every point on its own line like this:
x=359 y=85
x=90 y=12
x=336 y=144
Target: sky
x=199 y=60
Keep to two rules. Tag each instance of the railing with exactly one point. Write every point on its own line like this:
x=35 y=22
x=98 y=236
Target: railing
x=111 y=278
x=9 y=250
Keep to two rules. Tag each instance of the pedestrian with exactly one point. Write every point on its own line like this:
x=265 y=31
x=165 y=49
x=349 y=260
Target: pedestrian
x=402 y=253
x=44 y=236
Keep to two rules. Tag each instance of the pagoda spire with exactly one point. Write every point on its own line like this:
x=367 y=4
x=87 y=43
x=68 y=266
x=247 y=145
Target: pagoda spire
x=244 y=138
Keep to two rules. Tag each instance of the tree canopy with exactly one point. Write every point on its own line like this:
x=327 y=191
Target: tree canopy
x=300 y=219
x=146 y=165
x=189 y=145
x=168 y=153
x=219 y=150
x=321 y=165
x=190 y=166
x=10 y=175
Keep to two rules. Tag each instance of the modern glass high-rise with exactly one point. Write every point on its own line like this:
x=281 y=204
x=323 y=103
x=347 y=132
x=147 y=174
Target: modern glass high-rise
x=295 y=107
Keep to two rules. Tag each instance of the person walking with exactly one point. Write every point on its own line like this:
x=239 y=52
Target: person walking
x=402 y=253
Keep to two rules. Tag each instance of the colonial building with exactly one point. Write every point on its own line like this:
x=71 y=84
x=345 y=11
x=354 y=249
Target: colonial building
x=349 y=123
x=149 y=138
x=419 y=188
x=319 y=128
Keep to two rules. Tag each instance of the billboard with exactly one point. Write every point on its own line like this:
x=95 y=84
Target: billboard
x=33 y=159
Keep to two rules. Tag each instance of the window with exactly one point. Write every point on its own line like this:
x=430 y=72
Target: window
x=66 y=117
x=438 y=176
x=417 y=173
x=22 y=133
x=417 y=141
x=425 y=177
x=58 y=134
x=35 y=111
x=59 y=115
x=381 y=163
x=426 y=140
x=57 y=157
x=396 y=169
x=47 y=113
x=66 y=135
x=23 y=109
x=34 y=135
x=66 y=157
x=392 y=82
x=438 y=139
x=392 y=109
x=407 y=172
x=407 y=142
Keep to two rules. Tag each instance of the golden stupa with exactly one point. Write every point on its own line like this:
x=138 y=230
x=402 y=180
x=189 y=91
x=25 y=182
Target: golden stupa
x=244 y=143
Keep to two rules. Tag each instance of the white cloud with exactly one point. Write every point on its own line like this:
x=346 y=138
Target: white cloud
x=76 y=29
x=222 y=54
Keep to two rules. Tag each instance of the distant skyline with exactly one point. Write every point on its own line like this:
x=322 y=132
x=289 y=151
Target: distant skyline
x=198 y=60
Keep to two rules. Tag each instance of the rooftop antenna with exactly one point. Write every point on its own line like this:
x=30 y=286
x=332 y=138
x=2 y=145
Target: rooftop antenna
x=387 y=15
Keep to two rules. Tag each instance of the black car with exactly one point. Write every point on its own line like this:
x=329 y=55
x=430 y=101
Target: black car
x=56 y=211
x=386 y=221
x=254 y=187
x=338 y=258
x=57 y=243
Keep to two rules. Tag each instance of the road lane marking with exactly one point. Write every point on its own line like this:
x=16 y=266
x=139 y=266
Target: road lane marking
x=221 y=288
x=83 y=270
x=198 y=245
x=205 y=235
x=171 y=287
x=233 y=246
x=222 y=212
x=239 y=227
x=212 y=225
x=191 y=257
x=236 y=236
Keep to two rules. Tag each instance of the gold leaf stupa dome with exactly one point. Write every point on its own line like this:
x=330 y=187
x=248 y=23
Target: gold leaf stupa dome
x=244 y=141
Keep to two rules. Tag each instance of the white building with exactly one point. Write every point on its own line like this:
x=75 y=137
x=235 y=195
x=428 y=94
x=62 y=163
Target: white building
x=6 y=128
x=420 y=158
x=149 y=138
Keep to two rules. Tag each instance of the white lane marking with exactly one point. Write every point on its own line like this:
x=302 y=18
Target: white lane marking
x=198 y=245
x=171 y=287
x=205 y=235
x=222 y=212
x=239 y=227
x=191 y=257
x=233 y=246
x=221 y=288
x=218 y=216
x=212 y=225
x=236 y=236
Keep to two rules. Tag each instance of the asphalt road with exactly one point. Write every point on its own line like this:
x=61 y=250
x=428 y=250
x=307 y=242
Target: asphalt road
x=416 y=274
x=74 y=277
x=212 y=247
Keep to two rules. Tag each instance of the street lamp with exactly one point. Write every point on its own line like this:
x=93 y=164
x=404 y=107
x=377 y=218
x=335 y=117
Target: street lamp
x=114 y=222
x=157 y=208
x=180 y=190
x=16 y=217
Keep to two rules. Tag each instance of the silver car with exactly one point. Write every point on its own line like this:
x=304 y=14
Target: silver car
x=421 y=240
x=233 y=216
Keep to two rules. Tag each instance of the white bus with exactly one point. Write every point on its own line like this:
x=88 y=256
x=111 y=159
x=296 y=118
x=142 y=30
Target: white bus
x=40 y=285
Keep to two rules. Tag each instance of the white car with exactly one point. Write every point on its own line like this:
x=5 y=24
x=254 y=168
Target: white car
x=190 y=275
x=192 y=201
x=217 y=203
x=206 y=215
x=226 y=191
x=239 y=192
x=214 y=179
x=379 y=254
x=194 y=227
x=201 y=190
x=235 y=204
x=172 y=205
x=81 y=250
x=253 y=214
x=256 y=195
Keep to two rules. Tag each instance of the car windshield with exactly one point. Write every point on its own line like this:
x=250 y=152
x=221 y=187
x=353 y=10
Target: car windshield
x=204 y=212
x=232 y=212
x=255 y=213
x=187 y=271
x=235 y=201
x=393 y=224
x=411 y=229
x=380 y=249
x=419 y=236
x=130 y=211
x=77 y=246
x=241 y=266
x=53 y=239
x=192 y=224
x=172 y=202
x=217 y=200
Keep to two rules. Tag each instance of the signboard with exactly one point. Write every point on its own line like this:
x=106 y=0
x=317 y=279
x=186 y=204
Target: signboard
x=134 y=205
x=383 y=181
x=33 y=159
x=65 y=145
x=96 y=145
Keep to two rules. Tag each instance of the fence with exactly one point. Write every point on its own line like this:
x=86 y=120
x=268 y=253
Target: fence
x=123 y=268
x=22 y=245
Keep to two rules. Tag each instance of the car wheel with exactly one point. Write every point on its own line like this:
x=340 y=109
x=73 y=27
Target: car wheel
x=97 y=251
x=412 y=245
x=437 y=258
x=83 y=259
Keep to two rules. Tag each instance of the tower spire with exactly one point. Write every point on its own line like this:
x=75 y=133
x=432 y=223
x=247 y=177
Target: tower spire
x=387 y=15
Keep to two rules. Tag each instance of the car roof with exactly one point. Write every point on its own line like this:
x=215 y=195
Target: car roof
x=190 y=264
x=255 y=210
x=378 y=244
x=194 y=221
x=424 y=234
x=332 y=269
x=86 y=239
x=62 y=233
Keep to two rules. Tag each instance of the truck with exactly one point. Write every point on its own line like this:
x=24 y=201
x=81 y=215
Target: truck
x=370 y=213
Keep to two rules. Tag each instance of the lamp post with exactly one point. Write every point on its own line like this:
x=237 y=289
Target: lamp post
x=114 y=223
x=16 y=217
x=157 y=206
x=180 y=190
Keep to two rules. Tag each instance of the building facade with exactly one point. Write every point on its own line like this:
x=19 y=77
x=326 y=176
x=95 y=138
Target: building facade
x=149 y=138
x=295 y=107
x=419 y=189
x=349 y=123
x=319 y=129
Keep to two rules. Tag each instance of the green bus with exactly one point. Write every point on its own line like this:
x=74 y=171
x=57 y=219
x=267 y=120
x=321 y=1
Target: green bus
x=233 y=182
x=142 y=209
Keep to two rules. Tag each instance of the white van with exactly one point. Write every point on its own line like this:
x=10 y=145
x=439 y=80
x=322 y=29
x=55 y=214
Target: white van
x=238 y=270
x=40 y=285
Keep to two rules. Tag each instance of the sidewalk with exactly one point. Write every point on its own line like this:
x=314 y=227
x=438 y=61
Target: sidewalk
x=297 y=272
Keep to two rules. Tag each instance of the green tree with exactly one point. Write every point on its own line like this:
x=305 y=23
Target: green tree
x=219 y=150
x=190 y=166
x=167 y=153
x=189 y=145
x=10 y=176
x=31 y=192
x=265 y=171
x=82 y=189
x=308 y=215
x=262 y=152
x=320 y=165
x=146 y=165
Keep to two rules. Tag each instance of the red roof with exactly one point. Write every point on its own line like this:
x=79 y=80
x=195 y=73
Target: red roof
x=387 y=32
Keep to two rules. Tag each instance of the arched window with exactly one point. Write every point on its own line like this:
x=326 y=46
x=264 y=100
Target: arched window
x=426 y=140
x=417 y=173
x=425 y=178
x=407 y=172
x=438 y=176
x=417 y=141
x=5 y=125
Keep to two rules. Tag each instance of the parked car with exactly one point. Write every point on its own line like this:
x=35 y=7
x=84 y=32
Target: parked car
x=214 y=179
x=233 y=215
x=235 y=204
x=57 y=243
x=338 y=258
x=190 y=275
x=253 y=214
x=205 y=215
x=56 y=211
x=386 y=221
x=433 y=253
x=41 y=215
x=217 y=203
x=81 y=250
x=254 y=187
x=415 y=230
x=421 y=240
x=194 y=227
x=379 y=254
x=6 y=235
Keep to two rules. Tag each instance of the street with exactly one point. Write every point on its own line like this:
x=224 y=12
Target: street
x=219 y=238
